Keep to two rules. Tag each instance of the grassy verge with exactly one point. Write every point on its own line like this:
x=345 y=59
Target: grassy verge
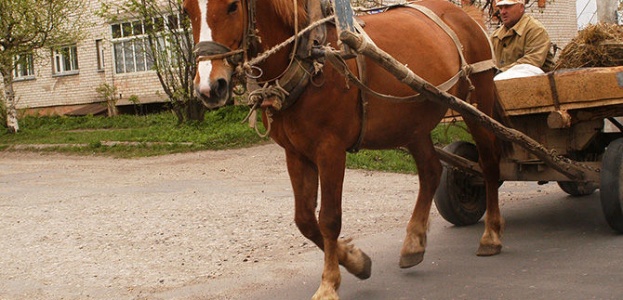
x=128 y=136
x=133 y=136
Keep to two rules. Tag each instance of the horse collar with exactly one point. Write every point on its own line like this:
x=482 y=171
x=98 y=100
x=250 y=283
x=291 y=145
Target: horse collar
x=288 y=87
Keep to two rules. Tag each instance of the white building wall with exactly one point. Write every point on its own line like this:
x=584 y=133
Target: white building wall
x=559 y=18
x=54 y=92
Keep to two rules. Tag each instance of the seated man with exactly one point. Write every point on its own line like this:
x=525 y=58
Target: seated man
x=522 y=43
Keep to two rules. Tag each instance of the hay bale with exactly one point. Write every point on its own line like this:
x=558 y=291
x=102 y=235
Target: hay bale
x=599 y=45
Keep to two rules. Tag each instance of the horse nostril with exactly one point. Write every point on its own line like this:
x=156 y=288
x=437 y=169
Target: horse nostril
x=203 y=90
x=220 y=88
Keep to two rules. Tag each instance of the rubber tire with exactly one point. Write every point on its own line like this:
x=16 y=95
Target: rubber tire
x=458 y=200
x=577 y=189
x=611 y=192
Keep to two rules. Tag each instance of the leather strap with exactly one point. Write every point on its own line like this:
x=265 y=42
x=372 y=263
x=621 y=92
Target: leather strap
x=466 y=69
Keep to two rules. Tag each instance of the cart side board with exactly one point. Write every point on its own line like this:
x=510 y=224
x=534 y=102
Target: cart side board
x=562 y=90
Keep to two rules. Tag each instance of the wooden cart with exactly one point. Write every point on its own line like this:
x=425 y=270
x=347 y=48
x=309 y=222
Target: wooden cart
x=566 y=112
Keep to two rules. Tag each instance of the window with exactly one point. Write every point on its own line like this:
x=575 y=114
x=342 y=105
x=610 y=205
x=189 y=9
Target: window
x=99 y=46
x=23 y=66
x=65 y=60
x=131 y=49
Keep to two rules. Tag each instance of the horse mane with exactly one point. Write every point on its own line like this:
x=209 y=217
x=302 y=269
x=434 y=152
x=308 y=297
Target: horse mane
x=476 y=14
x=285 y=10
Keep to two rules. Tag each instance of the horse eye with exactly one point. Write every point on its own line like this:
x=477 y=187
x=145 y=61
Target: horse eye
x=233 y=7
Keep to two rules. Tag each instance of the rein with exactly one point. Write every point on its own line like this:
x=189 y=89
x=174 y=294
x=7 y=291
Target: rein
x=205 y=51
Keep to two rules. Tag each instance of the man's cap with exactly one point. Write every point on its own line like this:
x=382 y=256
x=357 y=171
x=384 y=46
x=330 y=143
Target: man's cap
x=509 y=2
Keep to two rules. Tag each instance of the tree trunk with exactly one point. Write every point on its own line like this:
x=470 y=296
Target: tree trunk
x=9 y=96
x=112 y=107
x=195 y=110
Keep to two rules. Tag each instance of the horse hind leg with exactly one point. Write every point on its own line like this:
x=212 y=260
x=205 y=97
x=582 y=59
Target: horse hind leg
x=429 y=173
x=489 y=151
x=490 y=243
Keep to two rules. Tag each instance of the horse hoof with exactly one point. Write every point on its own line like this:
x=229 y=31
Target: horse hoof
x=410 y=260
x=367 y=267
x=489 y=250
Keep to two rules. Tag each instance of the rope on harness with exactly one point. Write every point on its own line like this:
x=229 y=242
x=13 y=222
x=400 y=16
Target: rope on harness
x=262 y=57
x=258 y=94
x=252 y=118
x=256 y=97
x=338 y=62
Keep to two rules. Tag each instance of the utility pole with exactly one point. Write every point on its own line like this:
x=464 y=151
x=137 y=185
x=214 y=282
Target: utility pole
x=606 y=10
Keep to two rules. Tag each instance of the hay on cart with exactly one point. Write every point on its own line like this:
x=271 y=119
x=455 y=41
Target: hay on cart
x=598 y=45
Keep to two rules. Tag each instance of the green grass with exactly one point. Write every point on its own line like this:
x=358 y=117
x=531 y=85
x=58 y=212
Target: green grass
x=399 y=160
x=127 y=136
x=149 y=135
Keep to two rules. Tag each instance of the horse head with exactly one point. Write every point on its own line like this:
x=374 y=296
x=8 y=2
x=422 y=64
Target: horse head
x=219 y=35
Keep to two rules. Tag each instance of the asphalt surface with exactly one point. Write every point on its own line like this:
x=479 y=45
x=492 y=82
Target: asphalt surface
x=555 y=247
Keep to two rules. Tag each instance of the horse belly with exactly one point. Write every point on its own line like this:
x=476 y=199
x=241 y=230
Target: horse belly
x=429 y=53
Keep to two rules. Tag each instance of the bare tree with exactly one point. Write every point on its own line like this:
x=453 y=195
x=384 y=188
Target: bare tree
x=170 y=47
x=27 y=26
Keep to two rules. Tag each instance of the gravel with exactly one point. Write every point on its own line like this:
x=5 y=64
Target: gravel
x=205 y=225
x=76 y=227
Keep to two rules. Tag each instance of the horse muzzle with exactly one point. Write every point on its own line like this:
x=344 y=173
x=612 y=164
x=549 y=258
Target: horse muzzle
x=215 y=94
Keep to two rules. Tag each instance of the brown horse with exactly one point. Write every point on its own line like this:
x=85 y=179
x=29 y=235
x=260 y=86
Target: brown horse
x=326 y=120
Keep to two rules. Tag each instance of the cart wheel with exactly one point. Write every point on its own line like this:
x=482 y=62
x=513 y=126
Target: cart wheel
x=577 y=189
x=458 y=199
x=610 y=190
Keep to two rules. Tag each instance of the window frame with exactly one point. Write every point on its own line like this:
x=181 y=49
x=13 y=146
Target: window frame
x=132 y=36
x=65 y=61
x=21 y=73
x=101 y=55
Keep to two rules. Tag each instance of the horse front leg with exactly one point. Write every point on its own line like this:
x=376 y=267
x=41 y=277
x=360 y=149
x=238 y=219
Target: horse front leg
x=429 y=173
x=304 y=180
x=325 y=230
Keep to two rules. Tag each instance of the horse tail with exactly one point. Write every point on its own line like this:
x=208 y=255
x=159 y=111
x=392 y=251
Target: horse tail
x=499 y=114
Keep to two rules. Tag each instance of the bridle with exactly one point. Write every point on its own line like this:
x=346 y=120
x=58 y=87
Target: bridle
x=281 y=91
x=211 y=50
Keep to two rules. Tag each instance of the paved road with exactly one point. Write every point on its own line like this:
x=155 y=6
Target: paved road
x=556 y=247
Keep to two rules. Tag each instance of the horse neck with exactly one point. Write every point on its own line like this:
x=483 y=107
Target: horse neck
x=273 y=28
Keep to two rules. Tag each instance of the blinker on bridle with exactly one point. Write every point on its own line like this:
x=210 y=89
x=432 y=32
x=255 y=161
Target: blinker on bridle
x=210 y=50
